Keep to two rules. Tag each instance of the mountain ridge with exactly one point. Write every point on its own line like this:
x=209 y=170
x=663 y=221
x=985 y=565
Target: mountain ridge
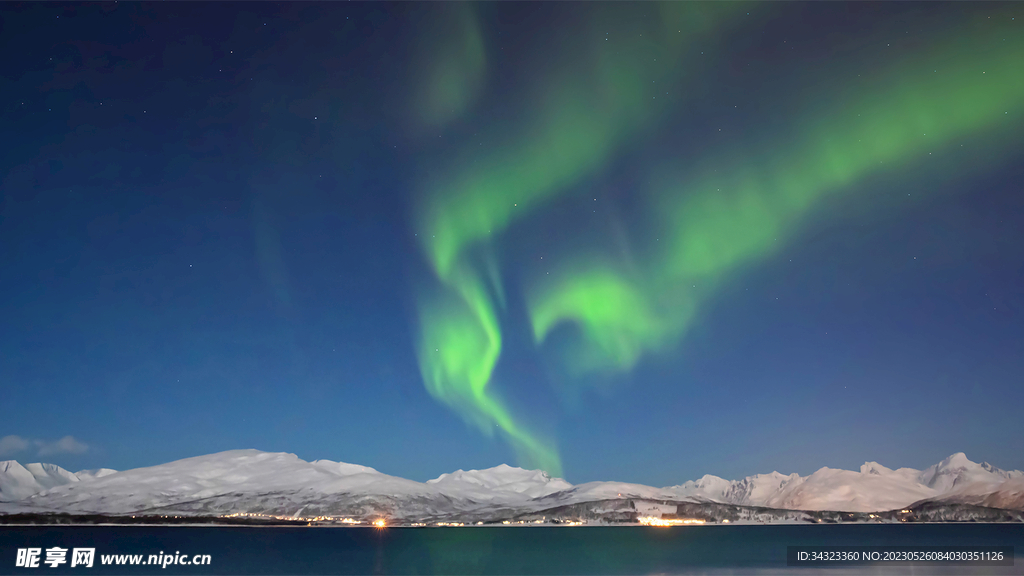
x=256 y=482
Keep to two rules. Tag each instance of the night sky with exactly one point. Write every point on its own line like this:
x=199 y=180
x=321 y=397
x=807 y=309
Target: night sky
x=638 y=242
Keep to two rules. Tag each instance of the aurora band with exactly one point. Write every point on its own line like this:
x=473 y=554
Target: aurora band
x=580 y=119
x=743 y=209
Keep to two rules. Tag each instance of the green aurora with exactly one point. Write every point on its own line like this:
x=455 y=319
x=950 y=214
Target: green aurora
x=714 y=224
x=710 y=224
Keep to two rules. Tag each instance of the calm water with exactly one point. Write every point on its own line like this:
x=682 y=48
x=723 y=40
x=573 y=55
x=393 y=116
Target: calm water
x=497 y=550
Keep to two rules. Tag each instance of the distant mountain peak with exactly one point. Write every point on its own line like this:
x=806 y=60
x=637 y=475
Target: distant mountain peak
x=533 y=483
x=957 y=460
x=957 y=471
x=95 y=473
x=874 y=468
x=343 y=468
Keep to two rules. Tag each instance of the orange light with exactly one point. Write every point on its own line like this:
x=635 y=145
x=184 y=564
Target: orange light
x=379 y=523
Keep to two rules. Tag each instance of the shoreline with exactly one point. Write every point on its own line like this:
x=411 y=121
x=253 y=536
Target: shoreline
x=489 y=525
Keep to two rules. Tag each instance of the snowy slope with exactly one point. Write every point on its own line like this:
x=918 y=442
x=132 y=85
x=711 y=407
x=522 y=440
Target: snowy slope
x=708 y=487
x=751 y=491
x=848 y=491
x=93 y=474
x=957 y=471
x=504 y=481
x=593 y=491
x=1008 y=494
x=50 y=475
x=16 y=482
x=280 y=484
x=215 y=479
x=873 y=488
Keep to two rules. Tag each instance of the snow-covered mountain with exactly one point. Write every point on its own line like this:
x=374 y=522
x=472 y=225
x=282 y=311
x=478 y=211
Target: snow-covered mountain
x=830 y=489
x=222 y=483
x=960 y=481
x=18 y=482
x=957 y=471
x=1008 y=495
x=873 y=488
x=92 y=474
x=751 y=491
x=594 y=491
x=280 y=484
x=503 y=481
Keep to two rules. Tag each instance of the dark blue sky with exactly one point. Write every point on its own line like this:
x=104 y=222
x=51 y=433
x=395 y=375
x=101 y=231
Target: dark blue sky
x=207 y=243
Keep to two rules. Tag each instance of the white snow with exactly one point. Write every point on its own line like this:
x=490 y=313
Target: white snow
x=751 y=491
x=1008 y=493
x=342 y=468
x=848 y=491
x=507 y=480
x=283 y=484
x=874 y=488
x=604 y=491
x=93 y=474
x=50 y=475
x=957 y=471
x=16 y=482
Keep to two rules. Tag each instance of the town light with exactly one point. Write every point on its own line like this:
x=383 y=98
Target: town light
x=654 y=521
